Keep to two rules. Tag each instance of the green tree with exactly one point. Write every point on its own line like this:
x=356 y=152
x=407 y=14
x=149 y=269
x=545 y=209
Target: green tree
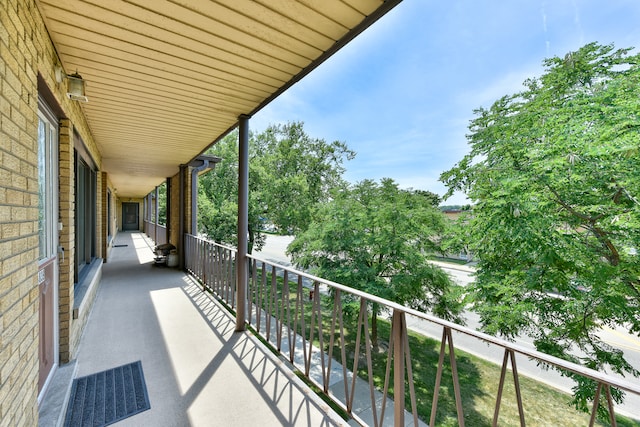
x=554 y=174
x=457 y=236
x=297 y=173
x=218 y=197
x=290 y=173
x=162 y=204
x=376 y=238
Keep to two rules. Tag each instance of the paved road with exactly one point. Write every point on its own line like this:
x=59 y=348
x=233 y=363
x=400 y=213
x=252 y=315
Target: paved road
x=275 y=249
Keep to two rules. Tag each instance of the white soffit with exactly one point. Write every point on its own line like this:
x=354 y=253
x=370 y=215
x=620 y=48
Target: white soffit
x=165 y=79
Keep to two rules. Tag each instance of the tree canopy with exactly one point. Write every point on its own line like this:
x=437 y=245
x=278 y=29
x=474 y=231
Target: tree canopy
x=554 y=174
x=376 y=238
x=290 y=173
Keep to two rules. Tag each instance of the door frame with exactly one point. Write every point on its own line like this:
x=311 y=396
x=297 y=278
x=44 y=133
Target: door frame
x=137 y=209
x=48 y=267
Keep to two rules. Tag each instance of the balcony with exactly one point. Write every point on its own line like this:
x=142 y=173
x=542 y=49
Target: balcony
x=200 y=371
x=197 y=370
x=166 y=81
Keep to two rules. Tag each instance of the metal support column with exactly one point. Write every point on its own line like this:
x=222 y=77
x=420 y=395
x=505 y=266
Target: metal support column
x=181 y=216
x=155 y=217
x=144 y=213
x=168 y=210
x=243 y=222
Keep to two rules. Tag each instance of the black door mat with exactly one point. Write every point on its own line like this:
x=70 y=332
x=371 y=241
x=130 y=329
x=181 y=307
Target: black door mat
x=107 y=397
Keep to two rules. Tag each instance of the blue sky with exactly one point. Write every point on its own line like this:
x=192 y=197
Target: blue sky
x=402 y=94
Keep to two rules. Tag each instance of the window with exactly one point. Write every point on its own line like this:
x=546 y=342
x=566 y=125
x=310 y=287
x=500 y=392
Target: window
x=47 y=163
x=109 y=222
x=85 y=211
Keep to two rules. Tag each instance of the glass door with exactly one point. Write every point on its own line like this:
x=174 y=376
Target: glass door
x=48 y=242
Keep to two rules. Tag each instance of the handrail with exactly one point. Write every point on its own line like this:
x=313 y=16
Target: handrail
x=543 y=357
x=213 y=265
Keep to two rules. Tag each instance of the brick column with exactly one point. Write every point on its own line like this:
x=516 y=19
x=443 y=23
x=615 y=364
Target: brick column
x=174 y=215
x=103 y=225
x=67 y=234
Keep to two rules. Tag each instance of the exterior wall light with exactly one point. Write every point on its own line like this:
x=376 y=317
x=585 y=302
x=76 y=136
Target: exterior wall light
x=75 y=87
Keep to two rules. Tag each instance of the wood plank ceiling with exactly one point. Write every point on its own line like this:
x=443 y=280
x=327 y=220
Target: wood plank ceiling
x=167 y=78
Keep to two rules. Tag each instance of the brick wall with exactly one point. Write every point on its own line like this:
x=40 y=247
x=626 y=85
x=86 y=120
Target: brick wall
x=18 y=216
x=27 y=64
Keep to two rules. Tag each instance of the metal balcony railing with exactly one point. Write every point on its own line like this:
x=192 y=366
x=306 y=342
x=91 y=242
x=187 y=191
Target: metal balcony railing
x=155 y=231
x=285 y=307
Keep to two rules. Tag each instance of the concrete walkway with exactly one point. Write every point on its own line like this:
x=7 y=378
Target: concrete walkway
x=198 y=371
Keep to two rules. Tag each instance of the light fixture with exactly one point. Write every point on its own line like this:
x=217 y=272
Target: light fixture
x=76 y=87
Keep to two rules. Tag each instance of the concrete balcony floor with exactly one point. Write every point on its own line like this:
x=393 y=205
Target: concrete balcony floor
x=198 y=371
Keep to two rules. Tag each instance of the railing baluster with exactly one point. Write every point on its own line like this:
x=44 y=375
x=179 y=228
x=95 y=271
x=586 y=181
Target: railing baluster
x=260 y=298
x=387 y=372
x=281 y=316
x=456 y=381
x=233 y=261
x=212 y=256
x=296 y=312
x=199 y=264
x=356 y=355
x=516 y=383
x=509 y=354
x=222 y=273
x=300 y=313
x=368 y=344
x=337 y=311
x=596 y=404
x=228 y=279
x=197 y=267
x=503 y=374
x=252 y=297
x=436 y=387
x=332 y=332
x=273 y=307
x=205 y=265
x=412 y=390
x=216 y=270
x=210 y=253
x=612 y=414
x=447 y=338
x=217 y=273
x=316 y=316
x=287 y=305
x=309 y=351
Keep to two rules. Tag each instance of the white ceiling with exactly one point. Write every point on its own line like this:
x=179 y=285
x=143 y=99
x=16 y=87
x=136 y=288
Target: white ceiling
x=166 y=79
